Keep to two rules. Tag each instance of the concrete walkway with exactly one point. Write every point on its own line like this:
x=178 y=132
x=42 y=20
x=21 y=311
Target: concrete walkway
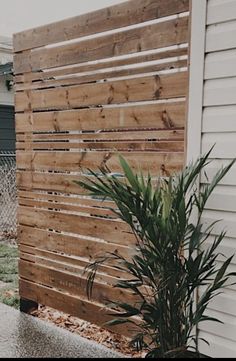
x=23 y=336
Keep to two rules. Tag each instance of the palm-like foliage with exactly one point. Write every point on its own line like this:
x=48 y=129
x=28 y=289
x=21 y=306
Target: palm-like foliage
x=170 y=264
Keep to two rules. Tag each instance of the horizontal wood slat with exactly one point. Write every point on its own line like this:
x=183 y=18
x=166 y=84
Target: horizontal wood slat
x=74 y=284
x=94 y=211
x=76 y=306
x=148 y=37
x=32 y=254
x=54 y=182
x=159 y=146
x=106 y=75
x=121 y=15
x=69 y=245
x=116 y=135
x=114 y=81
x=53 y=198
x=40 y=260
x=116 y=92
x=74 y=200
x=161 y=56
x=162 y=116
x=109 y=230
x=155 y=163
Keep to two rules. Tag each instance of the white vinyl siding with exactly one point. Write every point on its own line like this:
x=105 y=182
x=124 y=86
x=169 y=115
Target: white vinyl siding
x=218 y=126
x=220 y=11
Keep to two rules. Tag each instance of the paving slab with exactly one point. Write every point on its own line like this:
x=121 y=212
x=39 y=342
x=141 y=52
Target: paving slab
x=23 y=336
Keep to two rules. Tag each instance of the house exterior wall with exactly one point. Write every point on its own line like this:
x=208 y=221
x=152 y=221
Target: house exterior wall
x=6 y=56
x=6 y=97
x=212 y=120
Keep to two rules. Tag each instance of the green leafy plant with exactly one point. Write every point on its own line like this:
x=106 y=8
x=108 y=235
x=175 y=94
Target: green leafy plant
x=170 y=264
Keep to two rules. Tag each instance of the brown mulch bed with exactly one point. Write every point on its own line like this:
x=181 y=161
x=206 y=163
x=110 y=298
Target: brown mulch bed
x=87 y=330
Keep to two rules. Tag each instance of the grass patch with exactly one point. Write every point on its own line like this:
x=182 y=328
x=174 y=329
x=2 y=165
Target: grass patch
x=8 y=251
x=10 y=297
x=9 y=274
x=8 y=269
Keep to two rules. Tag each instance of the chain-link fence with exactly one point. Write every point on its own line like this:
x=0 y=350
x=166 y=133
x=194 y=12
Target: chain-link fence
x=8 y=194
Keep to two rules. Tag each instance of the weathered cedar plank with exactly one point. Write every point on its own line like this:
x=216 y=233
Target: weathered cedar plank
x=121 y=15
x=80 y=201
x=85 y=79
x=107 y=269
x=155 y=163
x=148 y=37
x=102 y=64
x=66 y=207
x=54 y=182
x=61 y=266
x=109 y=230
x=162 y=116
x=166 y=120
x=158 y=146
x=69 y=245
x=115 y=92
x=132 y=135
x=72 y=305
x=74 y=285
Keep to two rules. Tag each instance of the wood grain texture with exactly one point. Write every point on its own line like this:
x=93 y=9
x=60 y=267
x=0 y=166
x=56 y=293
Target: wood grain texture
x=38 y=258
x=125 y=14
x=51 y=182
x=76 y=306
x=115 y=135
x=66 y=199
x=74 y=284
x=33 y=254
x=161 y=56
x=49 y=205
x=59 y=183
x=161 y=116
x=109 y=230
x=81 y=101
x=106 y=75
x=158 y=146
x=131 y=41
x=69 y=245
x=115 y=92
x=155 y=163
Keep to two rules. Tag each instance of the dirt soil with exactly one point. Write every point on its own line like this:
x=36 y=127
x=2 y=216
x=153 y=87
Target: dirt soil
x=87 y=330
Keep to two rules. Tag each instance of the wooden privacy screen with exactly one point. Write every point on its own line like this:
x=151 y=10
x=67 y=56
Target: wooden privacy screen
x=112 y=81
